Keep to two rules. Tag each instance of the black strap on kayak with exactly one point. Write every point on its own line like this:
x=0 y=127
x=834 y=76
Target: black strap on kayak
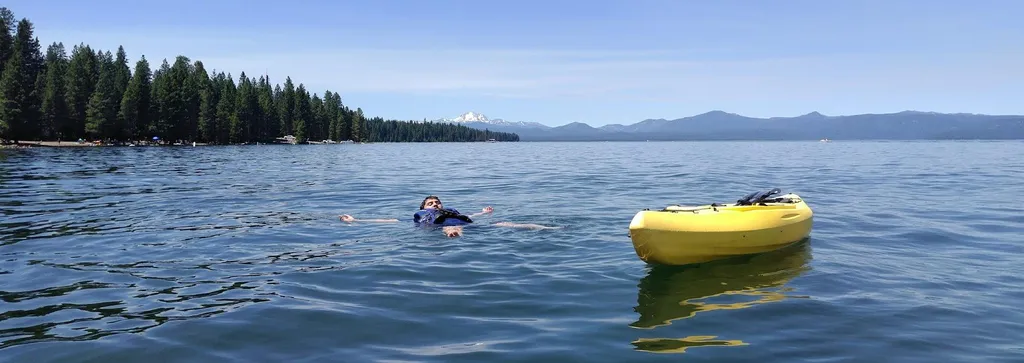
x=758 y=197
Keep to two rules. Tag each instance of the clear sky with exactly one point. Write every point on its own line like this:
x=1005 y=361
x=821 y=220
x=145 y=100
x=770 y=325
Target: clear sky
x=599 y=62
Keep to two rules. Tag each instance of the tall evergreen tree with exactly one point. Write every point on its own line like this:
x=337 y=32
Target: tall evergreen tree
x=133 y=112
x=54 y=110
x=246 y=108
x=11 y=99
x=303 y=113
x=19 y=99
x=316 y=129
x=287 y=107
x=271 y=126
x=357 y=126
x=80 y=82
x=179 y=100
x=101 y=114
x=197 y=81
x=226 y=115
x=208 y=97
x=158 y=94
x=331 y=109
x=7 y=27
x=278 y=98
x=207 y=115
x=122 y=74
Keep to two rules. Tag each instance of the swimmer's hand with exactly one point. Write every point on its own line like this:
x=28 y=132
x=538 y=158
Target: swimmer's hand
x=486 y=210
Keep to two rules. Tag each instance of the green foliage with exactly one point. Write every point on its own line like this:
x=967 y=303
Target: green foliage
x=122 y=75
x=7 y=27
x=286 y=105
x=225 y=110
x=101 y=113
x=379 y=130
x=19 y=94
x=269 y=126
x=54 y=109
x=80 y=82
x=94 y=94
x=160 y=94
x=303 y=113
x=134 y=109
x=357 y=125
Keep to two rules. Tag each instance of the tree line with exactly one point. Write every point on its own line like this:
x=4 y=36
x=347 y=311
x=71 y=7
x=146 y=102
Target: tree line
x=93 y=94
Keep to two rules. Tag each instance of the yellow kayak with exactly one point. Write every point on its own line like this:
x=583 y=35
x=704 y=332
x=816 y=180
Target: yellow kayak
x=760 y=222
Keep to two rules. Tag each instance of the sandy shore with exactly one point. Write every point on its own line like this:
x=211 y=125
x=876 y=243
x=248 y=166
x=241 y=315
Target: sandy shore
x=21 y=144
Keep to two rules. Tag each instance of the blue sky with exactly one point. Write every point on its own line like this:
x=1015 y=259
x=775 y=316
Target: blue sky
x=599 y=62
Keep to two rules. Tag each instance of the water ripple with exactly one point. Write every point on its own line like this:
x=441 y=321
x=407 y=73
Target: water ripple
x=236 y=254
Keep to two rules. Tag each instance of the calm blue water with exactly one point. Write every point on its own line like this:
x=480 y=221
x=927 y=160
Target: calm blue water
x=236 y=254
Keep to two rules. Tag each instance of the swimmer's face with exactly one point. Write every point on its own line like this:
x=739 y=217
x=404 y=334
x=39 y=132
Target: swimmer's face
x=433 y=203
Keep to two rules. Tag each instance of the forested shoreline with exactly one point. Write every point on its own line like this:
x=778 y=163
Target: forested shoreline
x=92 y=94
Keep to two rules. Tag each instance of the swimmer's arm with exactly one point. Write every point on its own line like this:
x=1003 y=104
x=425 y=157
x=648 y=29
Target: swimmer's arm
x=524 y=225
x=348 y=218
x=486 y=210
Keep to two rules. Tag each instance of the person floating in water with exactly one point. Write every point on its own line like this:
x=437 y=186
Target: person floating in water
x=433 y=213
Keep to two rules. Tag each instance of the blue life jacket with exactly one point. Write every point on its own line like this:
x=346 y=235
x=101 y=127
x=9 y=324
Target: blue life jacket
x=445 y=217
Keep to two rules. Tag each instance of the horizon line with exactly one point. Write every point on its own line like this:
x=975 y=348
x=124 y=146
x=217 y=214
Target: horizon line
x=443 y=119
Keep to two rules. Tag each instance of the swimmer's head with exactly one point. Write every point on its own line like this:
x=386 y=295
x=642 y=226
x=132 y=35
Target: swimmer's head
x=431 y=202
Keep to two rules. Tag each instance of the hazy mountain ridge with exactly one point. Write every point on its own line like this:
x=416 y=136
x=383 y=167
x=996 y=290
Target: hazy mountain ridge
x=720 y=125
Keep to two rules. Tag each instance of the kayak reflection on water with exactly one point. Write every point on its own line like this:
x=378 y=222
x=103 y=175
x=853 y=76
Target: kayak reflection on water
x=669 y=293
x=432 y=213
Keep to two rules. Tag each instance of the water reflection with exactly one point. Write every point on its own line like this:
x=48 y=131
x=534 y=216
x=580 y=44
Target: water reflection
x=667 y=293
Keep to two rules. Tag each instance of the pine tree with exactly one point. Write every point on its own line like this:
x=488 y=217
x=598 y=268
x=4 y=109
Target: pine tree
x=160 y=93
x=317 y=115
x=287 y=107
x=357 y=126
x=80 y=82
x=246 y=106
x=331 y=109
x=122 y=74
x=101 y=114
x=19 y=99
x=271 y=125
x=133 y=112
x=225 y=110
x=11 y=99
x=7 y=27
x=53 y=109
x=197 y=80
x=178 y=102
x=303 y=113
x=209 y=98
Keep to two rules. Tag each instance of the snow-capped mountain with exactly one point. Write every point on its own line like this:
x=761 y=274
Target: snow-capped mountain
x=471 y=117
x=720 y=125
x=476 y=119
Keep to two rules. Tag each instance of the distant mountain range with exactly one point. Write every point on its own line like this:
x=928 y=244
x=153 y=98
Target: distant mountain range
x=720 y=125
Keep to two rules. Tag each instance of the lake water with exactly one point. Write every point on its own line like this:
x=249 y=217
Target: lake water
x=236 y=254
